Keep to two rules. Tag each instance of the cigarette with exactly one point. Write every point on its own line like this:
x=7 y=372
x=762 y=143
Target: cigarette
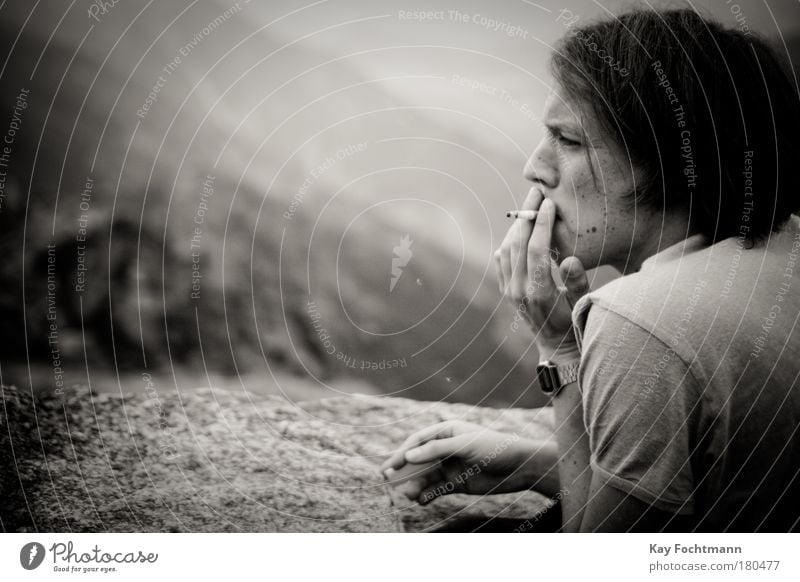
x=523 y=214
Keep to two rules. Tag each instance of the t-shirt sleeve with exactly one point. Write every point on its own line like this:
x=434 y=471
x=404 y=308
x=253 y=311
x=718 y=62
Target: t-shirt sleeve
x=640 y=402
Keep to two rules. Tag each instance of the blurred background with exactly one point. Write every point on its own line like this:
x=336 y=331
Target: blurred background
x=297 y=198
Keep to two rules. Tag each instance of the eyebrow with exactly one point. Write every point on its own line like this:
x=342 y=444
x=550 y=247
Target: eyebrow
x=558 y=129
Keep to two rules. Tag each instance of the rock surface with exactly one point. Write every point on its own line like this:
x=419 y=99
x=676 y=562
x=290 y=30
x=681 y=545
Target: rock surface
x=224 y=461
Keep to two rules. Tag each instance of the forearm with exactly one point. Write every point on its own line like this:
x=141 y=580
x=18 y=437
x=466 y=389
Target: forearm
x=574 y=472
x=539 y=467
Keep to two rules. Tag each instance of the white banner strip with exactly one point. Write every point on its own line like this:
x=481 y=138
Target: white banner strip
x=401 y=557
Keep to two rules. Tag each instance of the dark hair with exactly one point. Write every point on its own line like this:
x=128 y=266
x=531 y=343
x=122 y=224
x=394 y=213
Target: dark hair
x=731 y=154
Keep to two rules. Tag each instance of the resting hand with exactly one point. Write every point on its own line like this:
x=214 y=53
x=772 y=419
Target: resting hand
x=474 y=460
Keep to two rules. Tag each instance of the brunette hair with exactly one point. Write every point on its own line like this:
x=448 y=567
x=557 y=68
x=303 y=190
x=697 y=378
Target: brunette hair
x=708 y=115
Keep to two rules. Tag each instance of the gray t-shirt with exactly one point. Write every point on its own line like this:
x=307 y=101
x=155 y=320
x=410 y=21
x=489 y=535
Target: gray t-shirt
x=689 y=374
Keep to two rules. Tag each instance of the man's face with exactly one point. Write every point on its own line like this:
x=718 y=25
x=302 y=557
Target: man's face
x=594 y=222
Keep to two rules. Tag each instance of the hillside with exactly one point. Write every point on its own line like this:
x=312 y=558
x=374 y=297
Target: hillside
x=248 y=187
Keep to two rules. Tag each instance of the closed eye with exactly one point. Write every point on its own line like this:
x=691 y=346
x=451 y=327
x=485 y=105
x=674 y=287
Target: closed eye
x=556 y=134
x=566 y=142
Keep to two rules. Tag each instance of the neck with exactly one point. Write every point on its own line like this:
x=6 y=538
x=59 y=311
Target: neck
x=672 y=231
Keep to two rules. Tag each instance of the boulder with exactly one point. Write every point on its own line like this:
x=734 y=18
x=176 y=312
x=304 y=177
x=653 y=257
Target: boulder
x=210 y=460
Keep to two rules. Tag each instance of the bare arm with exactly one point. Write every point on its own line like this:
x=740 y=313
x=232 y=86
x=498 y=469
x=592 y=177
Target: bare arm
x=573 y=460
x=587 y=502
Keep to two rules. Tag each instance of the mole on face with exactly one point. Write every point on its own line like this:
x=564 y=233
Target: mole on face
x=594 y=229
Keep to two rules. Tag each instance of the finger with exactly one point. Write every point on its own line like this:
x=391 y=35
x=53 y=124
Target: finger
x=410 y=471
x=499 y=268
x=574 y=276
x=413 y=487
x=519 y=245
x=540 y=278
x=519 y=258
x=432 y=492
x=505 y=265
x=396 y=460
x=452 y=478
x=534 y=199
x=501 y=257
x=435 y=431
x=439 y=449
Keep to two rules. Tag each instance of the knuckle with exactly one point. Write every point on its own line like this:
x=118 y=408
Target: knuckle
x=535 y=301
x=411 y=441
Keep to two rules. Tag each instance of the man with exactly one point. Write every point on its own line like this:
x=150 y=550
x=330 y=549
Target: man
x=675 y=386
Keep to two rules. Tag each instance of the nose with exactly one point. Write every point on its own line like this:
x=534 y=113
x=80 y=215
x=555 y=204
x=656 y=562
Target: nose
x=542 y=166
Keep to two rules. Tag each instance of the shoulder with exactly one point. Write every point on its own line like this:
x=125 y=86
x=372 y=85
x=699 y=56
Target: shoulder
x=664 y=303
x=617 y=354
x=688 y=288
x=675 y=294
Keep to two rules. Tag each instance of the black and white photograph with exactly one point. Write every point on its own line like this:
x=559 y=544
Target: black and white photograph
x=284 y=268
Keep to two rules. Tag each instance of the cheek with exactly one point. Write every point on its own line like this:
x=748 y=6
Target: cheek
x=586 y=215
x=578 y=176
x=598 y=202
x=577 y=191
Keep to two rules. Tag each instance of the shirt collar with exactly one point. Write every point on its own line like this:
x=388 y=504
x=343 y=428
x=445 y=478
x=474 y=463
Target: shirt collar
x=688 y=245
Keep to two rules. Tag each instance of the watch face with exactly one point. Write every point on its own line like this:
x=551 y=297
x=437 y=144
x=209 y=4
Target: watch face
x=548 y=377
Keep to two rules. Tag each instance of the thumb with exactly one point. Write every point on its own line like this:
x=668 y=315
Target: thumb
x=434 y=491
x=451 y=479
x=574 y=276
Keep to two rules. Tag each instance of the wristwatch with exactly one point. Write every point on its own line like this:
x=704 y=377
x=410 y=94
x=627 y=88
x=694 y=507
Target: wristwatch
x=553 y=377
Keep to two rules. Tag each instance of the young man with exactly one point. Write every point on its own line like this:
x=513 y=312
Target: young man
x=675 y=387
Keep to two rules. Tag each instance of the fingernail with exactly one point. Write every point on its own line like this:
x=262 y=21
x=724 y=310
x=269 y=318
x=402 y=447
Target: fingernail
x=411 y=455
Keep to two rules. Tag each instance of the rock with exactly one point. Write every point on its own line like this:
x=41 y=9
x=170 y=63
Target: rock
x=218 y=461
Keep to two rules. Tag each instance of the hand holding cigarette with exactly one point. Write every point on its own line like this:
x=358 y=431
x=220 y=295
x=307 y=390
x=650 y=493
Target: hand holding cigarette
x=524 y=266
